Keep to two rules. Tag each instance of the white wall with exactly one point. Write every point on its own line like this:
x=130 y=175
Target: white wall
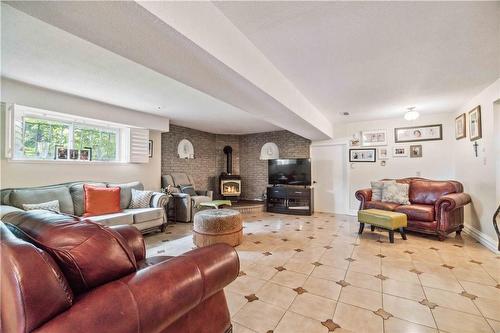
x=33 y=173
x=435 y=163
x=478 y=174
x=497 y=145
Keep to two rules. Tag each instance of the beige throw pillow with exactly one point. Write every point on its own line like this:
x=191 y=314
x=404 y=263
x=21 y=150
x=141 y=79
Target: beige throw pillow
x=49 y=205
x=396 y=193
x=377 y=187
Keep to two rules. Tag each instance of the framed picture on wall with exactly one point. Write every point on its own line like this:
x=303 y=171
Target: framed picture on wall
x=460 y=126
x=415 y=151
x=363 y=155
x=418 y=133
x=383 y=153
x=374 y=138
x=400 y=151
x=475 y=130
x=150 y=148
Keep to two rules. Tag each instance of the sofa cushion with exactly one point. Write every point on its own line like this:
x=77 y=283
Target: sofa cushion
x=427 y=192
x=113 y=219
x=181 y=178
x=126 y=192
x=397 y=193
x=19 y=197
x=140 y=199
x=99 y=201
x=187 y=189
x=88 y=254
x=381 y=205
x=77 y=194
x=49 y=205
x=145 y=214
x=377 y=187
x=417 y=212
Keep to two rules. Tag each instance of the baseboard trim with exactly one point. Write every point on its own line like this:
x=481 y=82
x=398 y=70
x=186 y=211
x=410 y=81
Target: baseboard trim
x=482 y=238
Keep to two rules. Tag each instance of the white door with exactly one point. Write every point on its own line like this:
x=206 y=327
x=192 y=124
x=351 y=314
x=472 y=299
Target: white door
x=330 y=176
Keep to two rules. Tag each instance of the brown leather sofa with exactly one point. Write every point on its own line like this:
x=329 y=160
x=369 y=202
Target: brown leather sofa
x=437 y=207
x=63 y=275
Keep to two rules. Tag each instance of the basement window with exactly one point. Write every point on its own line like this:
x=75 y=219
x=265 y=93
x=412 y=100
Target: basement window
x=45 y=135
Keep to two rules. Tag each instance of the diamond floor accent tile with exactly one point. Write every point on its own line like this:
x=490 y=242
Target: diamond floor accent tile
x=447 y=266
x=381 y=277
x=311 y=237
x=280 y=268
x=343 y=283
x=466 y=294
x=330 y=325
x=382 y=313
x=475 y=262
x=300 y=290
x=257 y=242
x=350 y=259
x=241 y=273
x=416 y=271
x=434 y=248
x=317 y=264
x=251 y=297
x=429 y=304
x=298 y=250
x=267 y=253
x=328 y=247
x=456 y=245
x=497 y=286
x=409 y=252
x=380 y=255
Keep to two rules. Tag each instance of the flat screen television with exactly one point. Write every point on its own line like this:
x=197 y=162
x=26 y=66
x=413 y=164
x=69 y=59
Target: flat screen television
x=295 y=171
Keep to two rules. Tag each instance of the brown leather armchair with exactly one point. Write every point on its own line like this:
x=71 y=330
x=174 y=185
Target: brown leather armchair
x=437 y=207
x=60 y=274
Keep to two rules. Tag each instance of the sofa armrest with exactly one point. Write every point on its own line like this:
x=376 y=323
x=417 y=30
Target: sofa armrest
x=159 y=200
x=452 y=201
x=134 y=240
x=152 y=299
x=363 y=196
x=205 y=193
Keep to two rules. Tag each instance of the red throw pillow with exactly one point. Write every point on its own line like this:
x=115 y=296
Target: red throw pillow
x=101 y=200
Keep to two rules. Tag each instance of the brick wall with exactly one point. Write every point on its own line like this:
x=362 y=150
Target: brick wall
x=253 y=170
x=210 y=159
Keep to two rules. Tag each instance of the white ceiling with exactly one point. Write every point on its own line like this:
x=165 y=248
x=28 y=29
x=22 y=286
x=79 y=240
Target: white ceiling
x=43 y=55
x=373 y=59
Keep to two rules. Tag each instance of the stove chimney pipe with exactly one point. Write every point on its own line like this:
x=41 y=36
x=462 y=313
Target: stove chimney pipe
x=228 y=150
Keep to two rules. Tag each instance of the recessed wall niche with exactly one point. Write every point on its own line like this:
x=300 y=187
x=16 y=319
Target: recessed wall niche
x=269 y=151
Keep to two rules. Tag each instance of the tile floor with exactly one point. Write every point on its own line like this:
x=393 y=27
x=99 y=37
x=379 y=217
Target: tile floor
x=315 y=274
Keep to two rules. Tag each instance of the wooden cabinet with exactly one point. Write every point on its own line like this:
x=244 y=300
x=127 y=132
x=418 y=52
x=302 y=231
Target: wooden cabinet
x=290 y=200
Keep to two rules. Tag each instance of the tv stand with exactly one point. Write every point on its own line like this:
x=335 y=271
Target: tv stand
x=294 y=200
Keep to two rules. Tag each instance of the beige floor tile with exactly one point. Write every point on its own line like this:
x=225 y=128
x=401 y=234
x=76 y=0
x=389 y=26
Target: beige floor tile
x=459 y=322
x=235 y=301
x=363 y=280
x=295 y=323
x=357 y=319
x=478 y=276
x=364 y=298
x=400 y=274
x=237 y=328
x=481 y=290
x=245 y=285
x=289 y=279
x=489 y=307
x=365 y=267
x=263 y=272
x=276 y=294
x=403 y=289
x=396 y=325
x=329 y=273
x=495 y=325
x=322 y=287
x=408 y=310
x=259 y=316
x=451 y=300
x=299 y=267
x=440 y=282
x=313 y=306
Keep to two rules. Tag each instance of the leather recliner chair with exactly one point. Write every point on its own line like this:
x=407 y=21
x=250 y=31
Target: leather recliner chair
x=60 y=274
x=437 y=207
x=186 y=206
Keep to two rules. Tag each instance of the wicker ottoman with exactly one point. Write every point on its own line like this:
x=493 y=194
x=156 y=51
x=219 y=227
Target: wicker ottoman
x=217 y=226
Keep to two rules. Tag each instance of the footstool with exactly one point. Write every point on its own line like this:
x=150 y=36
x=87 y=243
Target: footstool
x=217 y=226
x=383 y=219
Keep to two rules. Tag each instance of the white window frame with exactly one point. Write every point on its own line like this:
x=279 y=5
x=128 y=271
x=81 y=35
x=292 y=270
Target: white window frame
x=17 y=113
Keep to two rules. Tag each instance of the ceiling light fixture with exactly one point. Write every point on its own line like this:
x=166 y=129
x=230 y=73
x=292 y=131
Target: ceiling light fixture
x=411 y=114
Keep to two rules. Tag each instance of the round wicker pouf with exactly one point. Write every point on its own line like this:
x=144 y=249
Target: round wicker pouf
x=217 y=226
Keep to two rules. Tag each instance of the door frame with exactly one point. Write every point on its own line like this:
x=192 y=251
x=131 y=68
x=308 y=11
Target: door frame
x=344 y=143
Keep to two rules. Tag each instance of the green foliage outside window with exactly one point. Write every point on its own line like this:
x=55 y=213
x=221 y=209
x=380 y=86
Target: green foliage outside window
x=41 y=137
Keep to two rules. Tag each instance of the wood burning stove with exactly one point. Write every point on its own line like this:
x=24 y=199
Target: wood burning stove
x=229 y=184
